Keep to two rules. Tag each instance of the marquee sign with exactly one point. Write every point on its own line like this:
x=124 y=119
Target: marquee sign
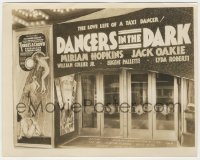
x=156 y=39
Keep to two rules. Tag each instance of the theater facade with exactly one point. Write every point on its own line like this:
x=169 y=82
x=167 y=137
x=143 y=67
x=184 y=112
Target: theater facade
x=107 y=79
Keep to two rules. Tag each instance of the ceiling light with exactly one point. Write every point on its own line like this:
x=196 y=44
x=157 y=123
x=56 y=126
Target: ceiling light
x=20 y=21
x=47 y=17
x=16 y=18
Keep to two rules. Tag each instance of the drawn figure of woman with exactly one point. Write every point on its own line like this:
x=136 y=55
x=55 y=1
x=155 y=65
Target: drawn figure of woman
x=40 y=59
x=29 y=128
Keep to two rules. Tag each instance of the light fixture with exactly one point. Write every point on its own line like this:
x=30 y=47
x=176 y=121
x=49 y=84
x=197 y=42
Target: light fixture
x=15 y=18
x=19 y=20
x=47 y=17
x=62 y=10
x=43 y=22
x=37 y=23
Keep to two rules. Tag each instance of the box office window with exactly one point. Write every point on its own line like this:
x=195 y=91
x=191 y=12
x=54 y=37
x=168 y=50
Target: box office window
x=164 y=102
x=89 y=116
x=111 y=100
x=139 y=96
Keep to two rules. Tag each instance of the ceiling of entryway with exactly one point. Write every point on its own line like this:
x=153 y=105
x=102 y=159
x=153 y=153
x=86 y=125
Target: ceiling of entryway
x=37 y=17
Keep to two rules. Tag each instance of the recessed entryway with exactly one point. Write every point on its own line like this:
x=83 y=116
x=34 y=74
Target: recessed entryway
x=150 y=99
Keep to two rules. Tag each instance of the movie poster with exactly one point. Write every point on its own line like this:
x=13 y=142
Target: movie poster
x=33 y=85
x=66 y=92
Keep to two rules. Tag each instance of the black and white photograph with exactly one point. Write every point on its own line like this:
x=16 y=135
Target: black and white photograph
x=104 y=76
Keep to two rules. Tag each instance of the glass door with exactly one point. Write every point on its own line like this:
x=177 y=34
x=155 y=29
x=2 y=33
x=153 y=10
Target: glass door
x=165 y=119
x=139 y=98
x=111 y=115
x=100 y=99
x=154 y=106
x=89 y=118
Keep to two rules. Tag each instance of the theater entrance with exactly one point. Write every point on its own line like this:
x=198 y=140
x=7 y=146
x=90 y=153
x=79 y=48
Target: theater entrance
x=149 y=100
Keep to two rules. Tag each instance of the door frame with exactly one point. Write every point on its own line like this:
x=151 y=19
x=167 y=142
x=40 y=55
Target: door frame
x=152 y=132
x=100 y=130
x=166 y=134
x=87 y=131
x=139 y=133
x=112 y=132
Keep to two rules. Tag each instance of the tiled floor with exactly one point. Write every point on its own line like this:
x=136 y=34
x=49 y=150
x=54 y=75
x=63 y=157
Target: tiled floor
x=117 y=143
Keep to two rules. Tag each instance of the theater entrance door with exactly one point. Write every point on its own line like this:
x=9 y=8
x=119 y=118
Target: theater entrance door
x=152 y=112
x=100 y=99
x=153 y=98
